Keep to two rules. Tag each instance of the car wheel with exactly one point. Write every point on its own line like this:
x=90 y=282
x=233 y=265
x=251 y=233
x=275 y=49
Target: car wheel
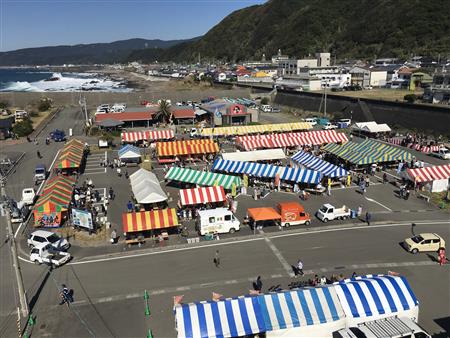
x=345 y=217
x=232 y=230
x=415 y=251
x=307 y=223
x=325 y=220
x=287 y=225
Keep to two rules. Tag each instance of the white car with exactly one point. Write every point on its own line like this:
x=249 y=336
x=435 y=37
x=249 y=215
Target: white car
x=28 y=196
x=45 y=253
x=329 y=126
x=42 y=236
x=328 y=212
x=442 y=153
x=311 y=120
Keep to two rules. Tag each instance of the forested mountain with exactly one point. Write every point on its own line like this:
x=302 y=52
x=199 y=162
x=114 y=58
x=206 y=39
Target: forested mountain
x=93 y=53
x=346 y=28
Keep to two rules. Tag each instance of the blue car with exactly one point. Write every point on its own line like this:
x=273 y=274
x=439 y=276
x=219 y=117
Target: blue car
x=58 y=135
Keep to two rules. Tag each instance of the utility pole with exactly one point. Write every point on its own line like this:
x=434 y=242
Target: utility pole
x=19 y=279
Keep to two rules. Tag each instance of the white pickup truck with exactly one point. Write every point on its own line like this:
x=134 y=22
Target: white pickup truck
x=327 y=212
x=443 y=153
x=45 y=253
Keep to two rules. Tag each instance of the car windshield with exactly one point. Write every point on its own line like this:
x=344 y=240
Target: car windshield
x=417 y=239
x=324 y=209
x=53 y=238
x=39 y=171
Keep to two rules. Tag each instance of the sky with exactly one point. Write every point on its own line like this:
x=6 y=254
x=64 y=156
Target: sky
x=37 y=23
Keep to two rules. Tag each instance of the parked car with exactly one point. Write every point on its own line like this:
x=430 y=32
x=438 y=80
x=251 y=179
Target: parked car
x=40 y=173
x=442 y=153
x=45 y=253
x=426 y=242
x=42 y=236
x=28 y=196
x=276 y=110
x=328 y=212
x=58 y=135
x=103 y=108
x=219 y=220
x=18 y=211
x=311 y=120
x=266 y=108
x=20 y=115
x=329 y=126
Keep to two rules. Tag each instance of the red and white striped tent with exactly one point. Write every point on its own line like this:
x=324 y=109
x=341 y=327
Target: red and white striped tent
x=317 y=137
x=202 y=195
x=150 y=135
x=428 y=174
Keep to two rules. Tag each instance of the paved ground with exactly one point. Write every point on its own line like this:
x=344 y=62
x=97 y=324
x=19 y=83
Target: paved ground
x=109 y=291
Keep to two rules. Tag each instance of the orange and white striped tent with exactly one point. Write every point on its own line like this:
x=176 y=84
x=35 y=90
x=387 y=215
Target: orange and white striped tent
x=189 y=147
x=149 y=220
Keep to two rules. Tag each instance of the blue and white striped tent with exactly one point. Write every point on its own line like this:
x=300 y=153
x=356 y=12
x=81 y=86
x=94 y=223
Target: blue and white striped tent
x=301 y=175
x=226 y=318
x=129 y=152
x=310 y=161
x=267 y=171
x=249 y=168
x=300 y=308
x=375 y=295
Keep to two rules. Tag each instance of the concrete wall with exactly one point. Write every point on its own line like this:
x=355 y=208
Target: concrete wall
x=424 y=118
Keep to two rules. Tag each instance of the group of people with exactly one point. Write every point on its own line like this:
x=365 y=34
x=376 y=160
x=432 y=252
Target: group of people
x=88 y=198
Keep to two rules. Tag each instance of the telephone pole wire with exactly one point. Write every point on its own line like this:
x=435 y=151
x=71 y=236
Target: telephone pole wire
x=12 y=240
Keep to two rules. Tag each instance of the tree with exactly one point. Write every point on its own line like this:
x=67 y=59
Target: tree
x=410 y=98
x=264 y=100
x=45 y=104
x=23 y=128
x=165 y=112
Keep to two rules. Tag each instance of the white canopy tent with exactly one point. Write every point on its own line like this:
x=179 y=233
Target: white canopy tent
x=146 y=187
x=256 y=155
x=129 y=152
x=372 y=127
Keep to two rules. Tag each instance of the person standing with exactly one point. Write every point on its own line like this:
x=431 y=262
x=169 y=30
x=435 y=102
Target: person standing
x=442 y=257
x=257 y=285
x=38 y=153
x=368 y=217
x=129 y=206
x=349 y=180
x=216 y=259
x=300 y=267
x=113 y=236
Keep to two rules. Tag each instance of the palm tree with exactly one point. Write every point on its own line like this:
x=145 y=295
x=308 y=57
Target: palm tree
x=165 y=112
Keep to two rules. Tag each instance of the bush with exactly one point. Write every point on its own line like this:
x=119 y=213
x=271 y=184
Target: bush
x=45 y=104
x=4 y=105
x=264 y=100
x=410 y=98
x=34 y=113
x=23 y=128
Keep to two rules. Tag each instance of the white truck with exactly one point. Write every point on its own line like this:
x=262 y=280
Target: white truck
x=45 y=253
x=328 y=212
x=442 y=153
x=28 y=196
x=219 y=220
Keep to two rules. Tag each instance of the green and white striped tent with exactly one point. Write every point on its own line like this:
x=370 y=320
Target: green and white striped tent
x=367 y=152
x=204 y=178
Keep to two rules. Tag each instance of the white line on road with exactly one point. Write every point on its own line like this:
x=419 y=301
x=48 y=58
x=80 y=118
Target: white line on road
x=372 y=200
x=280 y=257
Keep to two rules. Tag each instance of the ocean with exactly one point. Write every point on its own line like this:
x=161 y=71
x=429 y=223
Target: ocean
x=44 y=80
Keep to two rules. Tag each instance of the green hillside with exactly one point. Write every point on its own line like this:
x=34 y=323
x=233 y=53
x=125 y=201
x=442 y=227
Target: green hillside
x=346 y=28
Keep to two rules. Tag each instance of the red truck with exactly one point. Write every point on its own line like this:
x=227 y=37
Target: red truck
x=287 y=213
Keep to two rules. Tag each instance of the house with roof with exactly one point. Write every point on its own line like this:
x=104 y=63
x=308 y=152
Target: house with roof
x=229 y=113
x=130 y=117
x=183 y=114
x=365 y=76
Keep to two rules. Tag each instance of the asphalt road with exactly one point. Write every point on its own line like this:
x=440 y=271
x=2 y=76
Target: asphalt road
x=109 y=292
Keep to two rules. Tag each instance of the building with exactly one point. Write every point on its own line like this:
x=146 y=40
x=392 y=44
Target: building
x=331 y=76
x=297 y=82
x=439 y=91
x=368 y=76
x=131 y=117
x=293 y=66
x=276 y=59
x=183 y=114
x=228 y=113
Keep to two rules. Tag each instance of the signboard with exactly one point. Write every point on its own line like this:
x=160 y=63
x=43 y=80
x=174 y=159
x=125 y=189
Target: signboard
x=48 y=219
x=82 y=219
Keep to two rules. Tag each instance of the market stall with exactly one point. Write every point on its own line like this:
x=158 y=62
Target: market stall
x=310 y=161
x=305 y=312
x=255 y=155
x=255 y=129
x=71 y=157
x=146 y=187
x=147 y=135
x=202 y=178
x=202 y=195
x=289 y=140
x=52 y=206
x=367 y=152
x=145 y=223
x=432 y=178
x=129 y=154
x=189 y=149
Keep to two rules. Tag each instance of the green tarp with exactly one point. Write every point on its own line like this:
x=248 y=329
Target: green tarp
x=367 y=152
x=204 y=178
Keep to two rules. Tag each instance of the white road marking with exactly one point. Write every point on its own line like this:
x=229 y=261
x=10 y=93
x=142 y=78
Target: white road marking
x=372 y=200
x=221 y=283
x=311 y=232
x=280 y=257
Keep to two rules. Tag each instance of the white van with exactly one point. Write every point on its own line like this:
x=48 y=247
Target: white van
x=311 y=120
x=266 y=108
x=220 y=220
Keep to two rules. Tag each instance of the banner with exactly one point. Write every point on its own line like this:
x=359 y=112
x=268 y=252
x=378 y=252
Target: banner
x=82 y=219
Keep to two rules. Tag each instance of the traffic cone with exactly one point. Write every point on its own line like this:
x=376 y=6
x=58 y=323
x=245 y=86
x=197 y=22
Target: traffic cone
x=31 y=321
x=147 y=310
x=145 y=294
x=149 y=334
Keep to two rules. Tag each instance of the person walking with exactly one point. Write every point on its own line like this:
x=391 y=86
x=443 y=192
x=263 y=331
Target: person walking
x=129 y=206
x=66 y=295
x=38 y=153
x=441 y=256
x=113 y=236
x=257 y=285
x=368 y=217
x=216 y=259
x=299 y=268
x=349 y=180
x=111 y=193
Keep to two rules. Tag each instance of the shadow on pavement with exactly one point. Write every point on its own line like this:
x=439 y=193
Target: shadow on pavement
x=35 y=298
x=443 y=322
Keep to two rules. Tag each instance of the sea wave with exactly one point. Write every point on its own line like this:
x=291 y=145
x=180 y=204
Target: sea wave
x=67 y=82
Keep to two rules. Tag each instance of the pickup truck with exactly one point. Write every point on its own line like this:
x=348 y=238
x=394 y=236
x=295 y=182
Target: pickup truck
x=28 y=196
x=327 y=212
x=40 y=173
x=19 y=212
x=443 y=153
x=45 y=253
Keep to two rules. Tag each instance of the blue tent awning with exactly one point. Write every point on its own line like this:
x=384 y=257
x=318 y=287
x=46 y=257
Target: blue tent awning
x=300 y=175
x=129 y=151
x=312 y=162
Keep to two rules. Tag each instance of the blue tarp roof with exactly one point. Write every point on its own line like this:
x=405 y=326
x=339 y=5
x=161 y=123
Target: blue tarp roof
x=310 y=161
x=129 y=149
